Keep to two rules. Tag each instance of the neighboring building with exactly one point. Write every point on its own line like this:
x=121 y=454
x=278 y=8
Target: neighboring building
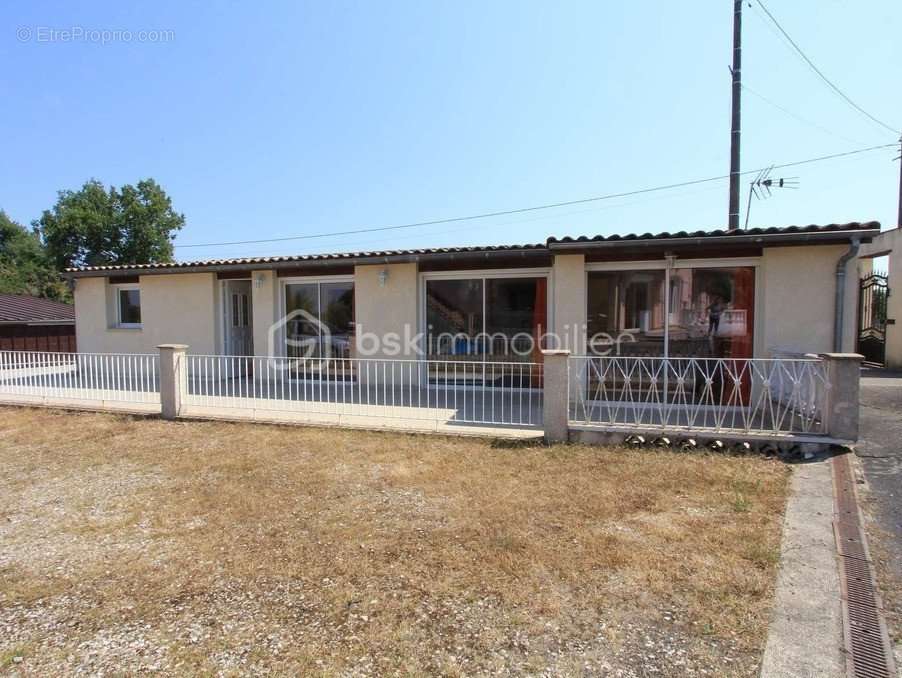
x=35 y=324
x=742 y=294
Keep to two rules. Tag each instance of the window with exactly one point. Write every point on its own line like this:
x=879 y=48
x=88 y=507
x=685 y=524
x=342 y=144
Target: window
x=128 y=306
x=626 y=312
x=713 y=312
x=486 y=318
x=322 y=319
x=708 y=312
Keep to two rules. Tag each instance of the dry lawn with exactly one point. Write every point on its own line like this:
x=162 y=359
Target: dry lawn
x=130 y=544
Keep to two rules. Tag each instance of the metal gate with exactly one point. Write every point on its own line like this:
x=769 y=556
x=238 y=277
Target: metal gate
x=873 y=292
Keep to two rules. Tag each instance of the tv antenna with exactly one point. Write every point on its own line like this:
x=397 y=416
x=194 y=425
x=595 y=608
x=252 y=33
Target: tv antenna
x=763 y=186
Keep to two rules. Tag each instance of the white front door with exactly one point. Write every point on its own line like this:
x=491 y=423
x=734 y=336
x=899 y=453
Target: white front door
x=239 y=332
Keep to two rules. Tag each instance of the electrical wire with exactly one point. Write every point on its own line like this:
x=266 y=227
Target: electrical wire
x=798 y=117
x=820 y=73
x=535 y=208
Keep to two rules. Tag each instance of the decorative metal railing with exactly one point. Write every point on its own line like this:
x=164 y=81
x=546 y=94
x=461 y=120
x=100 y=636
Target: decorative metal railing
x=451 y=391
x=768 y=396
x=80 y=377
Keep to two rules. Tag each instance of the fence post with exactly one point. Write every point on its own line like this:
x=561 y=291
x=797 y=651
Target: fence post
x=173 y=378
x=843 y=372
x=556 y=395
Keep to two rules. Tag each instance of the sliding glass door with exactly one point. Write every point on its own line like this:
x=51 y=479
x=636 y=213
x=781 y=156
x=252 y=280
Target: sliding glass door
x=320 y=319
x=483 y=319
x=706 y=312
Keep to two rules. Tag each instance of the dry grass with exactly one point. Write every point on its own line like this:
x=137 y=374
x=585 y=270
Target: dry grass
x=207 y=547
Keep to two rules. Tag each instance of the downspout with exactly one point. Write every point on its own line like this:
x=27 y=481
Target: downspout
x=841 y=293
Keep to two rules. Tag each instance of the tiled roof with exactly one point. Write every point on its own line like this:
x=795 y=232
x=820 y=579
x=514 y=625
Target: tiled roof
x=301 y=258
x=785 y=230
x=23 y=308
x=536 y=248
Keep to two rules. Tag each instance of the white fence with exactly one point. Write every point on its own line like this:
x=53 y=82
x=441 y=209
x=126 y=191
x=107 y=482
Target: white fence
x=704 y=394
x=79 y=378
x=351 y=390
x=563 y=395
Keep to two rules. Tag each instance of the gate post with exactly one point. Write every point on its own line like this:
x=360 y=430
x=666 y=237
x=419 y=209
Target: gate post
x=173 y=378
x=556 y=395
x=843 y=372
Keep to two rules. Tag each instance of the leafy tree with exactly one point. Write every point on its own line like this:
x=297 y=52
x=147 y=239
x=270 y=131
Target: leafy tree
x=95 y=226
x=24 y=266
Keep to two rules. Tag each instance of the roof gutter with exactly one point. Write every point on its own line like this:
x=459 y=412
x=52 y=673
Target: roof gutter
x=840 y=300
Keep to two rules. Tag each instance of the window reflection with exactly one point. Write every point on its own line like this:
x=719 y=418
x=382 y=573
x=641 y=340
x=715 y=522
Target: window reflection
x=711 y=312
x=626 y=312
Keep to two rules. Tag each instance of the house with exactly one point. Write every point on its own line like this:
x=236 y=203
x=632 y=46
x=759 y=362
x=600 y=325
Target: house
x=34 y=324
x=754 y=293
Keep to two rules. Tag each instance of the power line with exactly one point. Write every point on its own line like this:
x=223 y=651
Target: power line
x=535 y=208
x=798 y=117
x=820 y=73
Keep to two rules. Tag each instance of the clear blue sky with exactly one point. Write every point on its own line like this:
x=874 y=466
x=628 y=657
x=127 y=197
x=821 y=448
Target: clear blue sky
x=285 y=118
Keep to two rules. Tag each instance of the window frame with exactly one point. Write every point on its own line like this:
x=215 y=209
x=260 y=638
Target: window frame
x=304 y=280
x=667 y=265
x=483 y=274
x=118 y=288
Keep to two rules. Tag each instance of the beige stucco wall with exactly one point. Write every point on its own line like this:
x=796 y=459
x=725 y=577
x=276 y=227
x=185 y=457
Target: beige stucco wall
x=380 y=309
x=265 y=312
x=182 y=309
x=568 y=302
x=797 y=300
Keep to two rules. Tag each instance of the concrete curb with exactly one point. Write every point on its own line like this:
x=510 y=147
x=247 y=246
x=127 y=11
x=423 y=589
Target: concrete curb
x=806 y=635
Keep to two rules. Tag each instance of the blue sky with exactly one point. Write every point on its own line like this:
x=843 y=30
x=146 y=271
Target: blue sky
x=281 y=119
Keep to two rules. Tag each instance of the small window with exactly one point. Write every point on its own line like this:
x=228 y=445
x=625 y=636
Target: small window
x=128 y=305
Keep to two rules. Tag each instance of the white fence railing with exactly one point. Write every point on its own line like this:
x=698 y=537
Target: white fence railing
x=706 y=394
x=79 y=377
x=563 y=393
x=444 y=391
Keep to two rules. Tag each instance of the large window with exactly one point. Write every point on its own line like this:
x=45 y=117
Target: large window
x=320 y=319
x=705 y=312
x=128 y=306
x=486 y=318
x=712 y=312
x=626 y=312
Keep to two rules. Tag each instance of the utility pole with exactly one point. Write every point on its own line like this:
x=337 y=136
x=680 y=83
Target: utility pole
x=735 y=126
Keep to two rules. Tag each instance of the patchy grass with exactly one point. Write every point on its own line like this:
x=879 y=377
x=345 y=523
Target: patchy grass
x=210 y=547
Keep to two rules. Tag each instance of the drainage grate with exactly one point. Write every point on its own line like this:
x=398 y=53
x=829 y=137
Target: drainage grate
x=868 y=650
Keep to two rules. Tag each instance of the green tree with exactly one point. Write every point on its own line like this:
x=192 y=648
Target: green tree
x=24 y=266
x=95 y=226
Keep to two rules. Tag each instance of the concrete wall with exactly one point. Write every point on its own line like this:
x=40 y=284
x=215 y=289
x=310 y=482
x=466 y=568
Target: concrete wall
x=181 y=309
x=391 y=307
x=568 y=302
x=797 y=300
x=266 y=310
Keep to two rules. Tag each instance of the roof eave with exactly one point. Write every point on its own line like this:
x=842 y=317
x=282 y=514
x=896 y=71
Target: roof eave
x=330 y=262
x=864 y=235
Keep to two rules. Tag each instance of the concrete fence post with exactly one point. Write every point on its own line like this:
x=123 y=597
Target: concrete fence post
x=843 y=371
x=556 y=395
x=173 y=378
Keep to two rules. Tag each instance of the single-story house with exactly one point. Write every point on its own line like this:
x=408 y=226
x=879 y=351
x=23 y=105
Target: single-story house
x=34 y=324
x=759 y=293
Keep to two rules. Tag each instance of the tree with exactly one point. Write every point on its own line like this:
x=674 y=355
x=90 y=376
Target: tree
x=24 y=266
x=96 y=226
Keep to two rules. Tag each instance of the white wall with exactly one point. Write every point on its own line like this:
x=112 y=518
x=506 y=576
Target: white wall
x=391 y=307
x=266 y=310
x=568 y=297
x=797 y=300
x=181 y=309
